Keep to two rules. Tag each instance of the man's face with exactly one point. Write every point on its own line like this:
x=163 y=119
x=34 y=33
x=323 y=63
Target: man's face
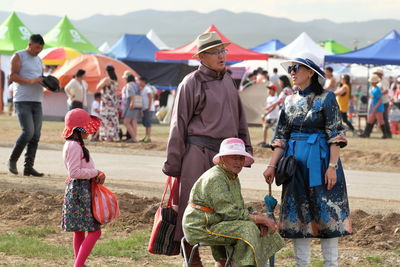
x=214 y=58
x=328 y=74
x=34 y=49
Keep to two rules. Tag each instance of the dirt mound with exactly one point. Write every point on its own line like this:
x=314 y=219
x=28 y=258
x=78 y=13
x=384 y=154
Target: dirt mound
x=20 y=208
x=375 y=231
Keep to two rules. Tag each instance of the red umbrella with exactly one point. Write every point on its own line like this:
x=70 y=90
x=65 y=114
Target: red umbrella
x=95 y=67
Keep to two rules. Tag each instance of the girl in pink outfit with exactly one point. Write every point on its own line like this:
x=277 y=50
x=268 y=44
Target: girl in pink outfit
x=77 y=213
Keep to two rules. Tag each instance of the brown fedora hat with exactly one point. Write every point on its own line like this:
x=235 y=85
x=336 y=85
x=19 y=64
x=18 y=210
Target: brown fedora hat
x=207 y=41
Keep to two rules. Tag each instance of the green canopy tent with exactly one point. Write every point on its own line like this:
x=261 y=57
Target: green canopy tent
x=14 y=35
x=335 y=47
x=65 y=34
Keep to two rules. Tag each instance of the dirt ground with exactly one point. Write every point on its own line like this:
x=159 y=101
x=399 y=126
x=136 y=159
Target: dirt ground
x=37 y=202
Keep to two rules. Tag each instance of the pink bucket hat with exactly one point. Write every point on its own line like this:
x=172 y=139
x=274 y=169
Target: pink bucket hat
x=233 y=146
x=79 y=118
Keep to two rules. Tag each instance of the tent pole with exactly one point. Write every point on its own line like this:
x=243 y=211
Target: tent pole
x=367 y=80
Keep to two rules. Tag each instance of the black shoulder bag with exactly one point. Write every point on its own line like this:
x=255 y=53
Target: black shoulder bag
x=287 y=165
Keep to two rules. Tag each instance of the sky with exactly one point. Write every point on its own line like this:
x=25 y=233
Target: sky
x=297 y=10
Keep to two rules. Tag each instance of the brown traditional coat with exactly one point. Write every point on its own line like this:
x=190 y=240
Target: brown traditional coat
x=207 y=104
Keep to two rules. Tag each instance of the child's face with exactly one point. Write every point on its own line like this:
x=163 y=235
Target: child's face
x=84 y=135
x=271 y=92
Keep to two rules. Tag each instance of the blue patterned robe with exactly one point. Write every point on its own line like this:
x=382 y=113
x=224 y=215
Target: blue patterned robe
x=307 y=126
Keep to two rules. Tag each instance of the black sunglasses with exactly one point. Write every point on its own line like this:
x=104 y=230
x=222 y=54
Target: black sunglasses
x=293 y=68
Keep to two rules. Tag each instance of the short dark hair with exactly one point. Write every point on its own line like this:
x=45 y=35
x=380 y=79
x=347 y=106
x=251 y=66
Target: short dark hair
x=80 y=73
x=329 y=69
x=37 y=39
x=130 y=78
x=275 y=70
x=97 y=95
x=144 y=79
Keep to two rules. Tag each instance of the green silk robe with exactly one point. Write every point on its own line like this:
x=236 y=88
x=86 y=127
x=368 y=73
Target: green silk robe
x=229 y=227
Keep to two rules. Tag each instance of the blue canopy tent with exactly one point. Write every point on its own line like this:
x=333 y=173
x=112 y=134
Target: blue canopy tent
x=270 y=46
x=134 y=47
x=138 y=52
x=383 y=52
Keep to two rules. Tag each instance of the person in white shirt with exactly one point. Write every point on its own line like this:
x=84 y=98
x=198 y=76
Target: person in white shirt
x=76 y=91
x=330 y=81
x=270 y=115
x=95 y=111
x=274 y=78
x=148 y=107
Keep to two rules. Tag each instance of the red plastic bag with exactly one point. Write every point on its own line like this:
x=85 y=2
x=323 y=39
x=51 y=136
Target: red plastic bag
x=162 y=236
x=104 y=204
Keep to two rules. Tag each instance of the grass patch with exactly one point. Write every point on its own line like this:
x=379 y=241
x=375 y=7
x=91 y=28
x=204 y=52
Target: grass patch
x=289 y=253
x=41 y=232
x=317 y=263
x=374 y=259
x=134 y=247
x=31 y=247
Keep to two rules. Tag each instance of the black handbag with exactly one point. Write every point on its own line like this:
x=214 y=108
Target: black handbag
x=285 y=170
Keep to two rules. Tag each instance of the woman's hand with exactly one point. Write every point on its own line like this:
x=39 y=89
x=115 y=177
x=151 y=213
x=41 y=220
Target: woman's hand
x=99 y=179
x=330 y=177
x=269 y=174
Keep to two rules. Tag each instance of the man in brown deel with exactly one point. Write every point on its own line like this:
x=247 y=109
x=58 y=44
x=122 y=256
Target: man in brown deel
x=207 y=110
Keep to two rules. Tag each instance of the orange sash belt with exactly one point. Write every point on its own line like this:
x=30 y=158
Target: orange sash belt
x=205 y=209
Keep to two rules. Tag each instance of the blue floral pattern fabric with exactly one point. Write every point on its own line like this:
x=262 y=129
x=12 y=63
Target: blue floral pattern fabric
x=77 y=208
x=308 y=124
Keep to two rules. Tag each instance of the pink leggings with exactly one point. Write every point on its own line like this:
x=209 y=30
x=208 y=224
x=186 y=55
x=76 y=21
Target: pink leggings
x=83 y=246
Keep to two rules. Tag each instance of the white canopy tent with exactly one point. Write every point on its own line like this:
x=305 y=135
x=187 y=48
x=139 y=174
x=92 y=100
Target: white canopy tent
x=152 y=36
x=302 y=44
x=104 y=47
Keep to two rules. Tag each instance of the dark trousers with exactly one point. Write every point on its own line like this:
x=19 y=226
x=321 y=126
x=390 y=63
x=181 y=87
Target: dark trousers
x=346 y=120
x=30 y=116
x=386 y=120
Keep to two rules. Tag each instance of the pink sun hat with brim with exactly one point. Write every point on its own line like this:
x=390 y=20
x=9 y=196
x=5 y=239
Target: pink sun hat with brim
x=79 y=118
x=233 y=146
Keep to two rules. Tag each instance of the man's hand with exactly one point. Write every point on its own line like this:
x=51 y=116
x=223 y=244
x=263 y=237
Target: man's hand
x=37 y=80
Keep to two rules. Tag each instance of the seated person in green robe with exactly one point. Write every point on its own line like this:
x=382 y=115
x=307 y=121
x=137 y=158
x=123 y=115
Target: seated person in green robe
x=216 y=214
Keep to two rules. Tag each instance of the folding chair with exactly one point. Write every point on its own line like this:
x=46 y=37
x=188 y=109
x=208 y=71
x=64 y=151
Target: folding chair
x=188 y=261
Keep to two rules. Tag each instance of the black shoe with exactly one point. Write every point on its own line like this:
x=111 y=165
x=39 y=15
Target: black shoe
x=33 y=172
x=12 y=167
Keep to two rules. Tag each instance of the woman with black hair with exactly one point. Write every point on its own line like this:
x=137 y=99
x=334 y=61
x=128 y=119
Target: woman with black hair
x=130 y=111
x=76 y=91
x=314 y=201
x=108 y=87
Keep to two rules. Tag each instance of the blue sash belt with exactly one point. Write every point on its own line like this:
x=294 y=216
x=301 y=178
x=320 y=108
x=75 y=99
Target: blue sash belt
x=318 y=153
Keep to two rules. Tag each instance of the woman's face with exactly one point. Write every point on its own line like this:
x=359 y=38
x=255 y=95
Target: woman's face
x=280 y=83
x=233 y=163
x=301 y=75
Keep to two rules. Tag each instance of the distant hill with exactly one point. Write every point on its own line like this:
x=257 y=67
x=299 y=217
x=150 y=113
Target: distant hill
x=247 y=29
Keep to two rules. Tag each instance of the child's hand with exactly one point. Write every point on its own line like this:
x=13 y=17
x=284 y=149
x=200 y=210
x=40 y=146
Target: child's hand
x=99 y=179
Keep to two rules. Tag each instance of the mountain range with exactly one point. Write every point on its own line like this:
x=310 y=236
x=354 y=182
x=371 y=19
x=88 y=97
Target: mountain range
x=177 y=28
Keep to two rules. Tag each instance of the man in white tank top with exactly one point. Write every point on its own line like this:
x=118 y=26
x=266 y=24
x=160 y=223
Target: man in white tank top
x=26 y=72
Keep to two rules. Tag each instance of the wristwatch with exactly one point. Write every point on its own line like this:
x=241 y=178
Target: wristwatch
x=333 y=165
